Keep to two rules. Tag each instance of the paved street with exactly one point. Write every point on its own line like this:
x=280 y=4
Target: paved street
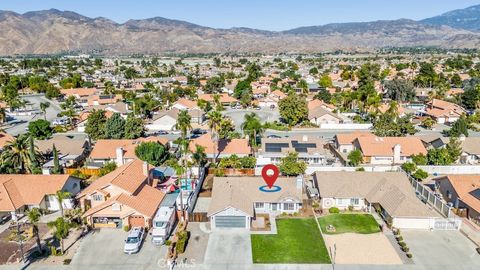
x=265 y=115
x=19 y=124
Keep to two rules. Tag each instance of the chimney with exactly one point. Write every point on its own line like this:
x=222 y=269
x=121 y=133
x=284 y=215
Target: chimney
x=146 y=170
x=119 y=154
x=397 y=149
x=299 y=182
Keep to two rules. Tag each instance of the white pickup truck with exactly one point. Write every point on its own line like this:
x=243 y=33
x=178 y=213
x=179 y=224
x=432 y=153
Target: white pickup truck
x=163 y=224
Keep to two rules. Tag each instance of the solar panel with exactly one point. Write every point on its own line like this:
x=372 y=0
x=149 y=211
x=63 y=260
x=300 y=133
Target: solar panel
x=275 y=147
x=303 y=147
x=476 y=193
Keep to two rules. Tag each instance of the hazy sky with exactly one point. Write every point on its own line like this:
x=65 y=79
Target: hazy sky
x=261 y=14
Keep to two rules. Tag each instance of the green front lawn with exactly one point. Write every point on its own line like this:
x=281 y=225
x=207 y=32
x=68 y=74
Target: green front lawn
x=350 y=223
x=297 y=241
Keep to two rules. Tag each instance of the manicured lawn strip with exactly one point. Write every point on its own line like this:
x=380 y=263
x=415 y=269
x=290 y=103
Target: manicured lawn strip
x=350 y=223
x=297 y=241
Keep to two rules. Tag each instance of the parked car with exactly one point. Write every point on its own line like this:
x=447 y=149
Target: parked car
x=199 y=131
x=134 y=240
x=162 y=132
x=273 y=136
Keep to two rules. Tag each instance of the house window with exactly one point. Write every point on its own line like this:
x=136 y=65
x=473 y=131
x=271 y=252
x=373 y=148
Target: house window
x=449 y=194
x=116 y=207
x=97 y=197
x=342 y=202
x=259 y=205
x=354 y=201
x=288 y=206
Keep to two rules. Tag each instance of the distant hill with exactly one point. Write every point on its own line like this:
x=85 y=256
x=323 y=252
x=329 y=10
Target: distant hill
x=55 y=31
x=468 y=18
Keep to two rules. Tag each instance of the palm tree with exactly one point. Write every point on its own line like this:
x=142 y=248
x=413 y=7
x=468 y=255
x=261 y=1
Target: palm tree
x=214 y=119
x=252 y=127
x=184 y=123
x=62 y=227
x=43 y=108
x=34 y=216
x=18 y=154
x=199 y=157
x=68 y=109
x=3 y=116
x=61 y=196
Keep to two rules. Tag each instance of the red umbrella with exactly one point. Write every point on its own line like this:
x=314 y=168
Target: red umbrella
x=171 y=188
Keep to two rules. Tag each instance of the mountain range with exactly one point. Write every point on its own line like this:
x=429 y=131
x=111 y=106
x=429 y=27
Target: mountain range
x=54 y=31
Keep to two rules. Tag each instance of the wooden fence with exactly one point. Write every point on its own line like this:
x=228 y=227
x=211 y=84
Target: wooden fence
x=232 y=172
x=197 y=217
x=86 y=171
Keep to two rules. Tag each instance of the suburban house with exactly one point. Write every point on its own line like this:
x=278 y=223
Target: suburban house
x=185 y=104
x=118 y=107
x=388 y=150
x=167 y=119
x=470 y=147
x=320 y=103
x=124 y=197
x=237 y=200
x=120 y=151
x=224 y=148
x=72 y=149
x=344 y=142
x=95 y=100
x=78 y=93
x=319 y=115
x=388 y=192
x=463 y=191
x=313 y=151
x=224 y=99
x=20 y=192
x=443 y=111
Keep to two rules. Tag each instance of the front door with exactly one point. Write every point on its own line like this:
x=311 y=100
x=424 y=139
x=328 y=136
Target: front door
x=274 y=206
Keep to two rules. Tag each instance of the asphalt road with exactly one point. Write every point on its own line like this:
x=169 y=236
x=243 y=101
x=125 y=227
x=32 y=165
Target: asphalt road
x=265 y=115
x=19 y=124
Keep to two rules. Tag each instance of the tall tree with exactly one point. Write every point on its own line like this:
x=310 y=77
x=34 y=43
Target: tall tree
x=115 y=127
x=293 y=109
x=291 y=165
x=95 y=127
x=199 y=157
x=134 y=127
x=399 y=90
x=152 y=152
x=34 y=217
x=460 y=127
x=61 y=196
x=40 y=129
x=252 y=127
x=43 y=108
x=214 y=119
x=16 y=156
x=56 y=162
x=61 y=228
x=184 y=123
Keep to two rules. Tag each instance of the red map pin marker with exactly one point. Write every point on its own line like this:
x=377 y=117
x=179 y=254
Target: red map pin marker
x=270 y=179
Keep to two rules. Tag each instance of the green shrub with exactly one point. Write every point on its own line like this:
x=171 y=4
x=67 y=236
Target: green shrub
x=402 y=244
x=350 y=208
x=126 y=228
x=399 y=238
x=182 y=241
x=168 y=243
x=67 y=261
x=405 y=249
x=409 y=255
x=334 y=210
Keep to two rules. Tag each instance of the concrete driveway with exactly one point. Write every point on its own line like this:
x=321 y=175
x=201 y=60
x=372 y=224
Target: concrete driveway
x=229 y=247
x=441 y=250
x=104 y=250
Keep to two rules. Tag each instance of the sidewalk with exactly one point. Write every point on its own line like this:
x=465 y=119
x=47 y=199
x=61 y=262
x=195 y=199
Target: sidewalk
x=471 y=231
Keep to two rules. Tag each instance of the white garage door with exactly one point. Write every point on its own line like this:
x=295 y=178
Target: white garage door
x=230 y=221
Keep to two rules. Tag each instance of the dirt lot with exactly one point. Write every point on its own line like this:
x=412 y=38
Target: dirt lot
x=355 y=248
x=10 y=251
